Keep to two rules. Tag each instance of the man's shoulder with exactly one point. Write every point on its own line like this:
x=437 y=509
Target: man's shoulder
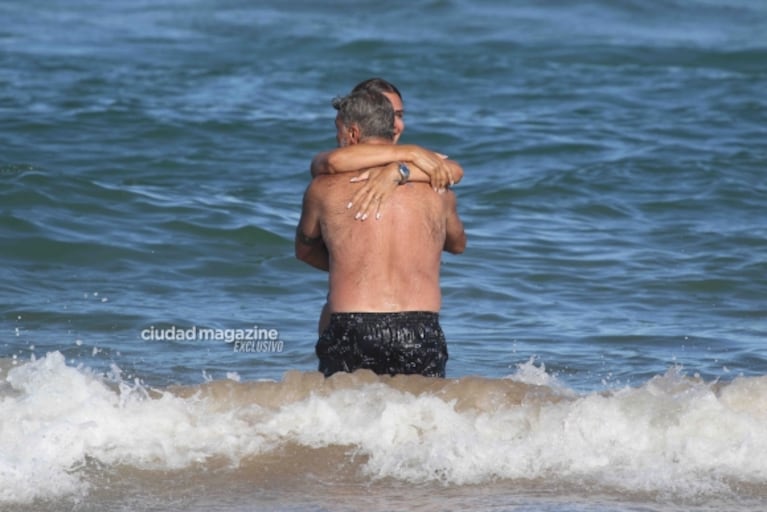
x=323 y=189
x=317 y=184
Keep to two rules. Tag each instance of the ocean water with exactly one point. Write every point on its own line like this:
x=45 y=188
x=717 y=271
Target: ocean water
x=606 y=324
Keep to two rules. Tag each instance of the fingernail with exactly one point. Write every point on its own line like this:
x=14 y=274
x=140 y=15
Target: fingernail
x=357 y=217
x=349 y=205
x=365 y=216
x=378 y=215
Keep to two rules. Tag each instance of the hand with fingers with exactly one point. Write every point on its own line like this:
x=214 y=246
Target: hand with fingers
x=379 y=184
x=434 y=165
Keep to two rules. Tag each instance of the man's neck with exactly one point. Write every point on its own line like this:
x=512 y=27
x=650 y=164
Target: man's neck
x=376 y=140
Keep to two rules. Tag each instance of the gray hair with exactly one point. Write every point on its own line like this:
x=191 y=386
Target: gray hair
x=370 y=110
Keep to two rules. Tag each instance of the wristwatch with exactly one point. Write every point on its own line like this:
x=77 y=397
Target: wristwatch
x=404 y=172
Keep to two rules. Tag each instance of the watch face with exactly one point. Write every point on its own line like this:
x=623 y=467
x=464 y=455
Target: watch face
x=404 y=171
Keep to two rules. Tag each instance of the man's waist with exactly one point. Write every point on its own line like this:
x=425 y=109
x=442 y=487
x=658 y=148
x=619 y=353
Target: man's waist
x=383 y=303
x=385 y=314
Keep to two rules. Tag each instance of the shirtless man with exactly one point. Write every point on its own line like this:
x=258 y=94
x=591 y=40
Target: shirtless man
x=384 y=287
x=424 y=165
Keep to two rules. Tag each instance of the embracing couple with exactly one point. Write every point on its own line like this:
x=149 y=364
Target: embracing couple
x=380 y=234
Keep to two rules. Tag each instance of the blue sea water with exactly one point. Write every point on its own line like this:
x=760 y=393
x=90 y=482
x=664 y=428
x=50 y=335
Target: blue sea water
x=606 y=324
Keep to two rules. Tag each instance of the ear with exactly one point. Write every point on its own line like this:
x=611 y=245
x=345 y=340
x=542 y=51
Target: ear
x=354 y=133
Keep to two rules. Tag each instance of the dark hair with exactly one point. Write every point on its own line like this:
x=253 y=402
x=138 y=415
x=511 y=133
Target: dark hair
x=370 y=110
x=378 y=85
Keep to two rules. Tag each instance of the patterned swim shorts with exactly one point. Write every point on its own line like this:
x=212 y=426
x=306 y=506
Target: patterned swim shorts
x=409 y=342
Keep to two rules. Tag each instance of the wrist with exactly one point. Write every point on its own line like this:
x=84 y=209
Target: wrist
x=393 y=170
x=407 y=153
x=404 y=173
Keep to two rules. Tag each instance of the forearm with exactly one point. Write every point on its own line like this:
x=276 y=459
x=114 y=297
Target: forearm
x=359 y=156
x=425 y=166
x=417 y=174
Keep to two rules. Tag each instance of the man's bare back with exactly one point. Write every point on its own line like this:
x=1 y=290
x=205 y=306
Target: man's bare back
x=391 y=264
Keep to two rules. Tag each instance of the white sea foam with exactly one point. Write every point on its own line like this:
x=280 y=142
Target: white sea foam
x=672 y=435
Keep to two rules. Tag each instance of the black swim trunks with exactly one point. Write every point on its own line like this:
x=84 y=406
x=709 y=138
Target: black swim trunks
x=410 y=342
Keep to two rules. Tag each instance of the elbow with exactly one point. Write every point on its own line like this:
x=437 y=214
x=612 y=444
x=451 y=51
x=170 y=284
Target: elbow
x=458 y=249
x=313 y=256
x=457 y=174
x=456 y=246
x=331 y=163
x=321 y=164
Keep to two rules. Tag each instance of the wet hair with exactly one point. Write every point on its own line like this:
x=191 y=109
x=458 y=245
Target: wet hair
x=370 y=110
x=378 y=85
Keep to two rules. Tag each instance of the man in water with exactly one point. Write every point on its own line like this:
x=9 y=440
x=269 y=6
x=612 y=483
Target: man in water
x=384 y=286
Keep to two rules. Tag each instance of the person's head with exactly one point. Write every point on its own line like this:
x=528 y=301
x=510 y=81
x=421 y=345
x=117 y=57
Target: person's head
x=389 y=90
x=363 y=115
